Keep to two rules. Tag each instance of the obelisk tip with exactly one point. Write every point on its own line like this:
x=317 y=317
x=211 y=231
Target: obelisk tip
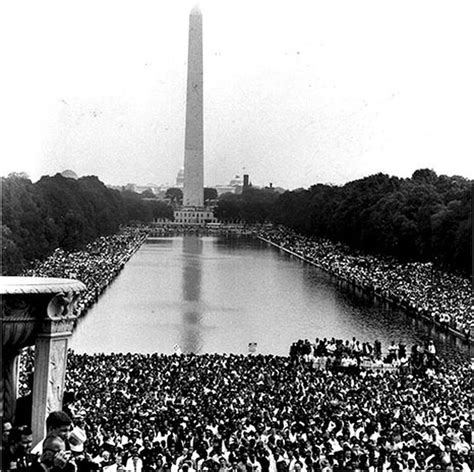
x=196 y=10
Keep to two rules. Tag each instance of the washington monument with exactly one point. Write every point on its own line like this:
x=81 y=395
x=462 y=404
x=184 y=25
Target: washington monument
x=193 y=191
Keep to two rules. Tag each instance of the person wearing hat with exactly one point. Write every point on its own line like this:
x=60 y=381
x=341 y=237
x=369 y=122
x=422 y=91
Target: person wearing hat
x=77 y=438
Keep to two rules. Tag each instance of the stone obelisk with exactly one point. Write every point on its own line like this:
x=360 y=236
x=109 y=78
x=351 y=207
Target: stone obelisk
x=193 y=191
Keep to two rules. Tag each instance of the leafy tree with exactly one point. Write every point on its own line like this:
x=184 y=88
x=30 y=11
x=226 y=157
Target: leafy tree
x=175 y=195
x=11 y=254
x=62 y=212
x=425 y=217
x=228 y=208
x=160 y=210
x=22 y=213
x=148 y=193
x=252 y=206
x=210 y=194
x=424 y=176
x=290 y=209
x=104 y=205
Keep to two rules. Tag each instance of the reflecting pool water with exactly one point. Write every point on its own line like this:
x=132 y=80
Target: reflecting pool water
x=217 y=294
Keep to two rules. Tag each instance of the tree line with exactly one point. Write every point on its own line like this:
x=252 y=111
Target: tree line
x=62 y=212
x=424 y=218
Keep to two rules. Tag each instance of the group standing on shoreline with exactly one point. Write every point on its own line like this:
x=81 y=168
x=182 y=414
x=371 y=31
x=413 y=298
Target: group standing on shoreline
x=442 y=297
x=96 y=265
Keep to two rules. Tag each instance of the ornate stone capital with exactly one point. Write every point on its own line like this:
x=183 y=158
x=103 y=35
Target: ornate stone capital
x=33 y=307
x=21 y=314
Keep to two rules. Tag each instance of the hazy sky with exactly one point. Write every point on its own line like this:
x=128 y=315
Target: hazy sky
x=295 y=92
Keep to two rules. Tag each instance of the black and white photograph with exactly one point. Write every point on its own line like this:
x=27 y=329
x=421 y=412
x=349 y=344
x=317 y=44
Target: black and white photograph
x=236 y=236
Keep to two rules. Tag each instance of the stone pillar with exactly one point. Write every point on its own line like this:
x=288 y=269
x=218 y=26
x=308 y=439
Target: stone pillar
x=40 y=312
x=50 y=372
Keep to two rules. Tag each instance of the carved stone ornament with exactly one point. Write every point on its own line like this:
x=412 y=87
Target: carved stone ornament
x=62 y=305
x=20 y=307
x=20 y=319
x=57 y=366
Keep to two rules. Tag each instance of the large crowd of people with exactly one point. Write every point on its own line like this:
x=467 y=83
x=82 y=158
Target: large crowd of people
x=330 y=406
x=265 y=413
x=443 y=297
x=96 y=265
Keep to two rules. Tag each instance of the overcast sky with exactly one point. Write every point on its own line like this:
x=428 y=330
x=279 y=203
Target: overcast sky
x=295 y=92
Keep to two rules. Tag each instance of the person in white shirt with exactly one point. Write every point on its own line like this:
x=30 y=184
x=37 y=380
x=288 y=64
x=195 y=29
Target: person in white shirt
x=462 y=446
x=117 y=467
x=463 y=462
x=134 y=463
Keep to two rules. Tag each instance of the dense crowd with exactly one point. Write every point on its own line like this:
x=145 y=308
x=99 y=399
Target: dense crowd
x=163 y=230
x=443 y=297
x=330 y=406
x=264 y=413
x=96 y=265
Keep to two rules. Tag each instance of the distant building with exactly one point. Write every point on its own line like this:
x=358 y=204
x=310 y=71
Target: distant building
x=234 y=186
x=156 y=189
x=180 y=178
x=69 y=174
x=194 y=216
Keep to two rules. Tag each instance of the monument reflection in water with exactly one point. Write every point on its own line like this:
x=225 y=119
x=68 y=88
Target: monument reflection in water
x=217 y=295
x=191 y=340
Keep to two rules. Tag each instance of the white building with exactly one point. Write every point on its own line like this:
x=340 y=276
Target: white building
x=194 y=216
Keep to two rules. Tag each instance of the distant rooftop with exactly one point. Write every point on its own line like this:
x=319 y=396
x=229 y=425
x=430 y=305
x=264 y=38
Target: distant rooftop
x=69 y=174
